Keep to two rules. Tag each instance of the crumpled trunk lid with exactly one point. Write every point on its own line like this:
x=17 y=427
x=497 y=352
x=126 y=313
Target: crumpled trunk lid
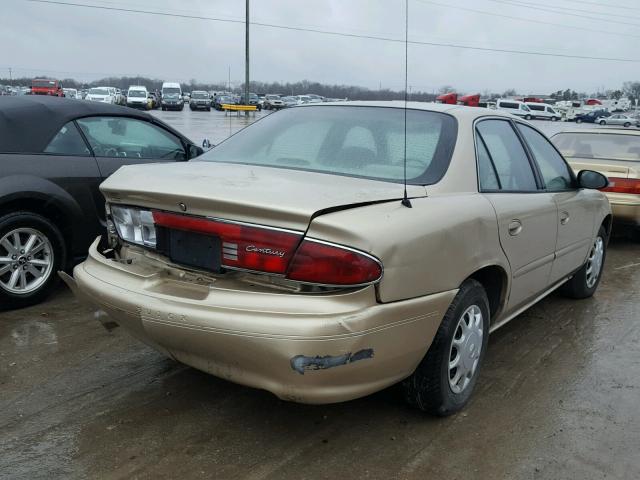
x=269 y=196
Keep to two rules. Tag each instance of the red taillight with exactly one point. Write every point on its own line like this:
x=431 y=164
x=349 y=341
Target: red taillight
x=623 y=185
x=328 y=264
x=262 y=249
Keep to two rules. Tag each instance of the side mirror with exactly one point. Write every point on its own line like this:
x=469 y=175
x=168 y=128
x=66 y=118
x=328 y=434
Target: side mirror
x=592 y=180
x=206 y=144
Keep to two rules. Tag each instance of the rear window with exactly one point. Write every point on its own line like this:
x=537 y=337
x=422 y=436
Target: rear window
x=598 y=145
x=363 y=142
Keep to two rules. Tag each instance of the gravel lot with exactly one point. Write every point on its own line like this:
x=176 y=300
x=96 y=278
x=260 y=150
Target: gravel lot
x=557 y=398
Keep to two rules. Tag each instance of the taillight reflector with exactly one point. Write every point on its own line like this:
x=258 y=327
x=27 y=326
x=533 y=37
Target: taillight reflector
x=623 y=185
x=244 y=246
x=328 y=264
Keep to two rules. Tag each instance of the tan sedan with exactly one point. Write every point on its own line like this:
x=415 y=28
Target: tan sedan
x=614 y=153
x=289 y=259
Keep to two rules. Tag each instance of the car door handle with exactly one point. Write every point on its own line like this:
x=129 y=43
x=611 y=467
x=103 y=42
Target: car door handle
x=564 y=218
x=515 y=227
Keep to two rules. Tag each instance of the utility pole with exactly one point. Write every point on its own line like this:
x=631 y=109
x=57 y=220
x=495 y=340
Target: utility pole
x=229 y=80
x=246 y=58
x=10 y=75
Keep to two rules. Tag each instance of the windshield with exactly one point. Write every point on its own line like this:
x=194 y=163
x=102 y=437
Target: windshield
x=137 y=93
x=170 y=92
x=199 y=95
x=44 y=83
x=352 y=141
x=598 y=145
x=98 y=91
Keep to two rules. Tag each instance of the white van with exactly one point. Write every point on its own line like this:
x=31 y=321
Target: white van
x=138 y=97
x=544 y=111
x=515 y=107
x=172 y=96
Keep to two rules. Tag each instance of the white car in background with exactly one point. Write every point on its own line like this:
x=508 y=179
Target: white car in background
x=70 y=93
x=544 y=111
x=138 y=97
x=101 y=94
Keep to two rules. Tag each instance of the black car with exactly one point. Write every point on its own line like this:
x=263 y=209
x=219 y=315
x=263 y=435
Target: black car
x=592 y=116
x=54 y=153
x=200 y=100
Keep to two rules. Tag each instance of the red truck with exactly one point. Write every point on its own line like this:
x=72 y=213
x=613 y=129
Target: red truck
x=469 y=100
x=448 y=98
x=46 y=86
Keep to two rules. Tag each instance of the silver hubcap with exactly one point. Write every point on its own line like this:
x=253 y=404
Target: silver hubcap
x=594 y=264
x=465 y=350
x=26 y=260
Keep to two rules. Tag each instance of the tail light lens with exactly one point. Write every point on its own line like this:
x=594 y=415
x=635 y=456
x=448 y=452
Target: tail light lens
x=623 y=185
x=329 y=264
x=244 y=246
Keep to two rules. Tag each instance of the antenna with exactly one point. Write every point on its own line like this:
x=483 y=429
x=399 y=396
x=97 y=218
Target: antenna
x=405 y=200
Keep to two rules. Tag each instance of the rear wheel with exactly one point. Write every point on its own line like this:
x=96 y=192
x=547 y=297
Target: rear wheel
x=585 y=281
x=578 y=120
x=444 y=381
x=32 y=250
x=627 y=125
x=602 y=122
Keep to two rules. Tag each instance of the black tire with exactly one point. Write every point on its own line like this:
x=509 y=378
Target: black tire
x=578 y=120
x=208 y=109
x=578 y=286
x=602 y=122
x=164 y=109
x=45 y=227
x=554 y=119
x=627 y=125
x=428 y=387
x=181 y=108
x=527 y=117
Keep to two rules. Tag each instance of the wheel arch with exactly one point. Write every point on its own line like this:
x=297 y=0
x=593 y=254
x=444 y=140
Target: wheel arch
x=494 y=280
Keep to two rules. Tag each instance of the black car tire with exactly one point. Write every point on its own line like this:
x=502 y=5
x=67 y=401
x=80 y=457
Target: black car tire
x=627 y=125
x=527 y=117
x=578 y=286
x=208 y=109
x=554 y=119
x=46 y=228
x=578 y=120
x=428 y=388
x=164 y=109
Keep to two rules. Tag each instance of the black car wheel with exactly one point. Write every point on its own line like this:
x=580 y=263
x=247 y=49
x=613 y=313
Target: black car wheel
x=627 y=125
x=527 y=117
x=32 y=250
x=578 y=120
x=602 y=122
x=445 y=378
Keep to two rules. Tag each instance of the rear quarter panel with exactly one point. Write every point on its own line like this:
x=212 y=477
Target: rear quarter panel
x=430 y=248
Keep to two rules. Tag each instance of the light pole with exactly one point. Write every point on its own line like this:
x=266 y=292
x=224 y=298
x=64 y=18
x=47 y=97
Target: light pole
x=246 y=57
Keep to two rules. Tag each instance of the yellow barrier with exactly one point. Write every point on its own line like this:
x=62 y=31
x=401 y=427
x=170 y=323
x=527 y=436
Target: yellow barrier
x=239 y=108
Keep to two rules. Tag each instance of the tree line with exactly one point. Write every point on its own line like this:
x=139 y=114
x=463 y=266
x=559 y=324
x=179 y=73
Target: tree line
x=630 y=89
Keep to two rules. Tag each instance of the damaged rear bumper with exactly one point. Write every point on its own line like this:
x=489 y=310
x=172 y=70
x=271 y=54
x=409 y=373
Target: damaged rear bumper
x=309 y=348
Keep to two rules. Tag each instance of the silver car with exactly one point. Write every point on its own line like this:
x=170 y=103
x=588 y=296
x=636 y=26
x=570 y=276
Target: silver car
x=618 y=119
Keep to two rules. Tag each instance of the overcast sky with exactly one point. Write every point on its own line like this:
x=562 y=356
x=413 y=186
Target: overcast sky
x=87 y=44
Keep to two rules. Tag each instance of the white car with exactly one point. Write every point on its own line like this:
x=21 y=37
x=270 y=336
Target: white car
x=100 y=94
x=515 y=107
x=543 y=111
x=70 y=92
x=138 y=97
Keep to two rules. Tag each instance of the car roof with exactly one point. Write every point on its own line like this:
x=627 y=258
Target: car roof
x=459 y=111
x=615 y=131
x=28 y=123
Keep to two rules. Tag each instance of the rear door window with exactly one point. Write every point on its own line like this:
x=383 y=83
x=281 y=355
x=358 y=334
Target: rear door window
x=508 y=156
x=68 y=141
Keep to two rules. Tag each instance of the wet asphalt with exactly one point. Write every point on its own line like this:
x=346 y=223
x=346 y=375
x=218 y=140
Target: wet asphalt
x=557 y=398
